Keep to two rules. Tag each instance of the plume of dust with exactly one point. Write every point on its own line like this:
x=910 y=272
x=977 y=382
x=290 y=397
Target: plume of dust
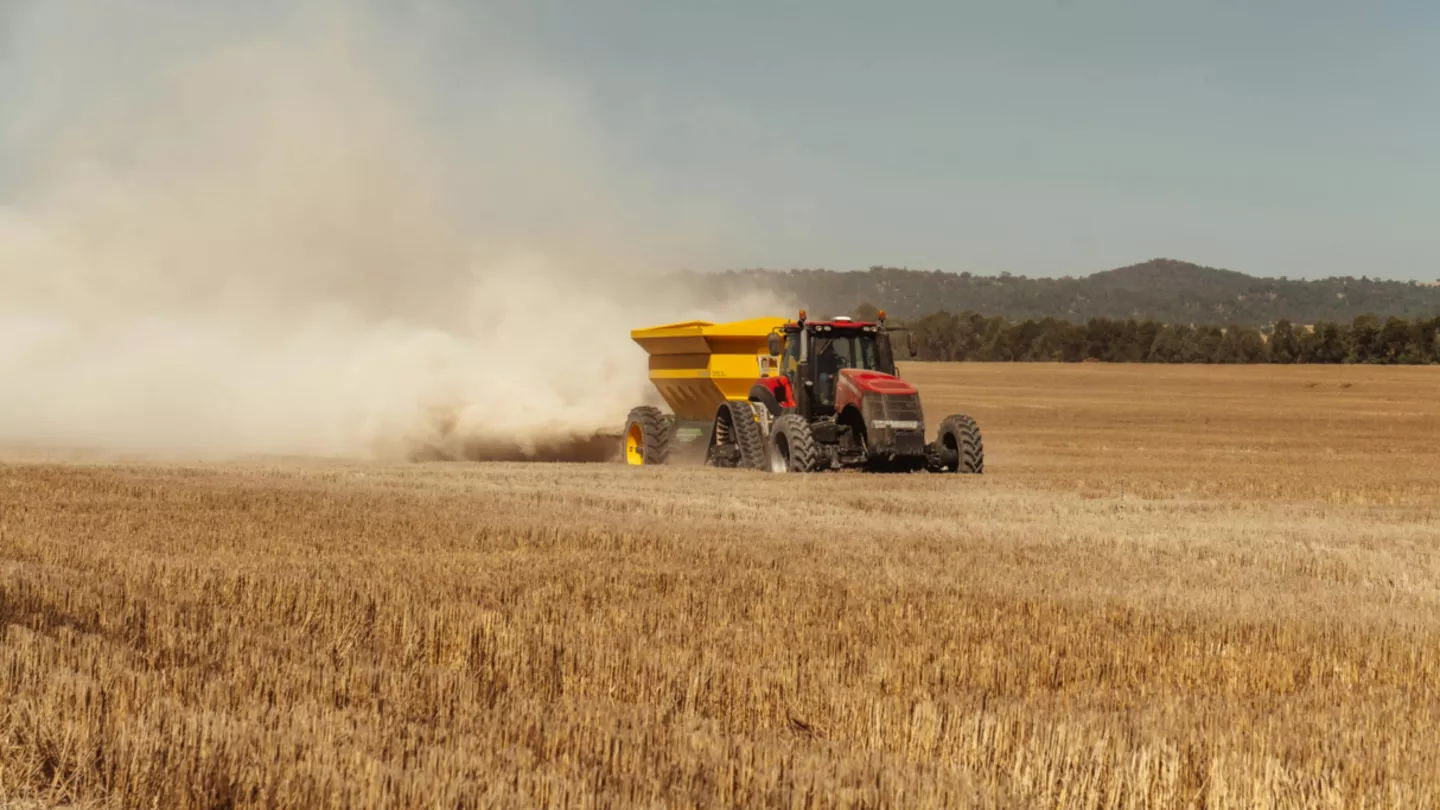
x=255 y=249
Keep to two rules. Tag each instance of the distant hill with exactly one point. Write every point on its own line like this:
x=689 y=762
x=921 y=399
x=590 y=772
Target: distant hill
x=1164 y=290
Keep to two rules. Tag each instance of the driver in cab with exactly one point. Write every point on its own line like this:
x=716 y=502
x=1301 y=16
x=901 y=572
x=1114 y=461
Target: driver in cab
x=827 y=365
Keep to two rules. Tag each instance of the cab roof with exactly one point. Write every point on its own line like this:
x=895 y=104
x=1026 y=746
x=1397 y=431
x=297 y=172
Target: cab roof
x=834 y=323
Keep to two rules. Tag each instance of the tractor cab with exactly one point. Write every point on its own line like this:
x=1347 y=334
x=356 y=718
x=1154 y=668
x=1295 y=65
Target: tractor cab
x=813 y=353
x=838 y=377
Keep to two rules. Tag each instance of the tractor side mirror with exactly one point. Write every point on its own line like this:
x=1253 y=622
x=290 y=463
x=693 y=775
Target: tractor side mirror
x=910 y=344
x=775 y=345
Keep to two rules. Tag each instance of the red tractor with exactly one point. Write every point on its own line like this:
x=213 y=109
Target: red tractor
x=837 y=402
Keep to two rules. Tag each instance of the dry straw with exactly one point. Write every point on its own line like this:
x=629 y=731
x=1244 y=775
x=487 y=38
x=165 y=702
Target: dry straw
x=1190 y=587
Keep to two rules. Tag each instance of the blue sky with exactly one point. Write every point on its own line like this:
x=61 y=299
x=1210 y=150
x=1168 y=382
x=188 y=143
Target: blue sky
x=1284 y=138
x=1043 y=138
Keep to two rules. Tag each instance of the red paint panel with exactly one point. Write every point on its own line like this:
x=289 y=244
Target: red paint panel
x=780 y=387
x=876 y=382
x=854 y=384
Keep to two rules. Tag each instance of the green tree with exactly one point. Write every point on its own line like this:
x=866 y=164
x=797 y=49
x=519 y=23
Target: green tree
x=1145 y=336
x=1206 y=346
x=1099 y=338
x=1250 y=346
x=1169 y=344
x=1284 y=346
x=1364 y=343
x=1392 y=341
x=1072 y=342
x=1332 y=343
x=1423 y=346
x=995 y=345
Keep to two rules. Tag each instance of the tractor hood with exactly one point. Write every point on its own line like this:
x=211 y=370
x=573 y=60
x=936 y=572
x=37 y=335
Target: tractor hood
x=873 y=382
x=890 y=413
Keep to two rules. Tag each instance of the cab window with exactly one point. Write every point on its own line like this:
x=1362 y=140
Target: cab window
x=790 y=360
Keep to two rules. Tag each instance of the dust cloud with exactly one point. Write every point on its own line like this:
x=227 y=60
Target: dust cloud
x=331 y=232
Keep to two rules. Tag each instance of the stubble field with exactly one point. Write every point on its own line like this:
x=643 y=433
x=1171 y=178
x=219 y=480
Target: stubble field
x=1173 y=587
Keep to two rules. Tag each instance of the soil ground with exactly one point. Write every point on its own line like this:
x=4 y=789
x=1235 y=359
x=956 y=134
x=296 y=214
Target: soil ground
x=1173 y=587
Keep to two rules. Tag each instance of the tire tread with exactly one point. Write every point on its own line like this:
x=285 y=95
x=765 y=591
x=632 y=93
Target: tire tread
x=655 y=430
x=747 y=435
x=804 y=452
x=968 y=441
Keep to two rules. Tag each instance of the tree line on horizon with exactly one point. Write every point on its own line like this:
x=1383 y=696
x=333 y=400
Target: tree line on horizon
x=970 y=336
x=1162 y=290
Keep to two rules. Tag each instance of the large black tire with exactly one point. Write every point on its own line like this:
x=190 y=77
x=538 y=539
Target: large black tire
x=960 y=446
x=647 y=436
x=737 y=440
x=792 y=445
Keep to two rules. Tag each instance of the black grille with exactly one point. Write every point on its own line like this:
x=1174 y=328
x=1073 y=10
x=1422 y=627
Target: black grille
x=893 y=408
x=910 y=442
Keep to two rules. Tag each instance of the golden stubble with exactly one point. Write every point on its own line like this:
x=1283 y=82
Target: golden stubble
x=1173 y=587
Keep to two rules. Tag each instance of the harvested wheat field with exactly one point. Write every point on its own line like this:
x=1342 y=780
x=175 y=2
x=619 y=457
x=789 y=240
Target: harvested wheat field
x=1173 y=587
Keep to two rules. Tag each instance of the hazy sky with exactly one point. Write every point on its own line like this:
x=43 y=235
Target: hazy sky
x=1277 y=138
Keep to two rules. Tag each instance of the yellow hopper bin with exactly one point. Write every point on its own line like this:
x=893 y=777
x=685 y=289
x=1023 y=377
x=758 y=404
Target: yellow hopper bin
x=697 y=365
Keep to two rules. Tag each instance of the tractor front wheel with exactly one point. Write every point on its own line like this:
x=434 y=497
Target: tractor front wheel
x=959 y=448
x=647 y=436
x=792 y=445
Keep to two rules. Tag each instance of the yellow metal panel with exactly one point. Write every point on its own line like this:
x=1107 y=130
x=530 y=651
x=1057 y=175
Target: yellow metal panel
x=660 y=345
x=753 y=327
x=697 y=365
x=672 y=329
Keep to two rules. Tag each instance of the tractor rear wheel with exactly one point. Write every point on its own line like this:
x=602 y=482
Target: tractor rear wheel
x=647 y=436
x=961 y=449
x=792 y=445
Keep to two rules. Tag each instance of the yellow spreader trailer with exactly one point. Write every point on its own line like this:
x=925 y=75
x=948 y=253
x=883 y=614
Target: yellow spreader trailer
x=700 y=368
x=790 y=396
